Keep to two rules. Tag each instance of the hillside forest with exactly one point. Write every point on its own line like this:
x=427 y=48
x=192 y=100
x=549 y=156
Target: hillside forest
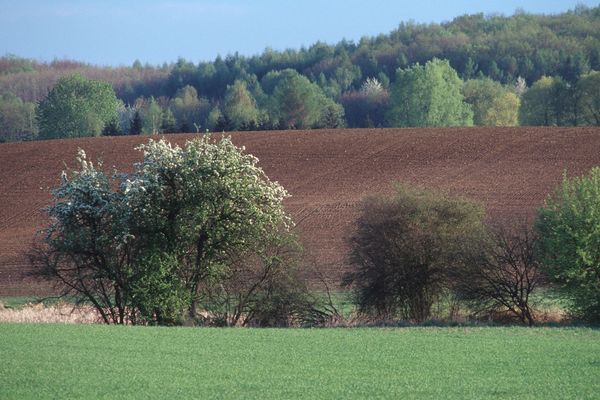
x=487 y=70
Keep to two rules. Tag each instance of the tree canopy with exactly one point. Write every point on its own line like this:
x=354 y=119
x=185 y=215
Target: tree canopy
x=240 y=107
x=492 y=103
x=77 y=107
x=428 y=95
x=569 y=232
x=518 y=51
x=156 y=244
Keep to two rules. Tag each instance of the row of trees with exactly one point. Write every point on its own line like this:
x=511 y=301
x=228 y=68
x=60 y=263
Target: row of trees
x=554 y=101
x=421 y=96
x=420 y=248
x=499 y=47
x=199 y=234
x=78 y=107
x=513 y=52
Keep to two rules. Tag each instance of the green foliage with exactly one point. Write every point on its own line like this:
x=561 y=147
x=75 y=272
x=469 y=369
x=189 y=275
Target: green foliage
x=296 y=103
x=589 y=86
x=240 y=107
x=492 y=103
x=503 y=48
x=168 y=123
x=332 y=115
x=405 y=247
x=189 y=110
x=17 y=119
x=152 y=118
x=569 y=230
x=157 y=292
x=76 y=107
x=548 y=102
x=428 y=95
x=504 y=110
x=77 y=361
x=213 y=119
x=143 y=247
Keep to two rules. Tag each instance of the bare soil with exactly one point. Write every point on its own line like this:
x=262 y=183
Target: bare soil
x=509 y=170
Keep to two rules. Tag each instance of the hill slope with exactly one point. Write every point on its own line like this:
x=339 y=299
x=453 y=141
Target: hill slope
x=327 y=172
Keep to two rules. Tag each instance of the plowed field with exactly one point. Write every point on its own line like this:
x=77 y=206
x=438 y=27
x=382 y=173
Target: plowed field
x=327 y=172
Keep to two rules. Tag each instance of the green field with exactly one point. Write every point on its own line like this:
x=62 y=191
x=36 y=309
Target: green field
x=77 y=361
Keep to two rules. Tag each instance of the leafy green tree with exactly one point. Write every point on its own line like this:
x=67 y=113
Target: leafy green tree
x=17 y=119
x=589 y=87
x=332 y=115
x=168 y=123
x=152 y=117
x=428 y=95
x=240 y=107
x=504 y=110
x=151 y=246
x=569 y=230
x=546 y=103
x=492 y=103
x=189 y=110
x=214 y=118
x=77 y=107
x=296 y=103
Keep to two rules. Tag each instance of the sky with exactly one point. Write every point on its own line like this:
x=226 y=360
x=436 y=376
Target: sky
x=112 y=32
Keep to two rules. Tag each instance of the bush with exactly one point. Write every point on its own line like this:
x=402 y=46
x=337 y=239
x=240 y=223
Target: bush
x=263 y=289
x=569 y=229
x=144 y=247
x=498 y=284
x=404 y=249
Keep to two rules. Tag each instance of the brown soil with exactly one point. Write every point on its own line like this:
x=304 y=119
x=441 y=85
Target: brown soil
x=327 y=172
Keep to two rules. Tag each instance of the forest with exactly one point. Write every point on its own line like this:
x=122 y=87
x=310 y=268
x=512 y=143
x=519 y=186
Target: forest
x=489 y=70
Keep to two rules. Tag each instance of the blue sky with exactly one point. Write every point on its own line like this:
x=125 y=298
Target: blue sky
x=111 y=32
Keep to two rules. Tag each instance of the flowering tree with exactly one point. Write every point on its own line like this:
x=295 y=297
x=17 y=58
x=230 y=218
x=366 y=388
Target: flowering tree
x=146 y=246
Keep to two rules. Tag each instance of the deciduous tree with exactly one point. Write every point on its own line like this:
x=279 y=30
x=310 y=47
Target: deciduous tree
x=492 y=103
x=77 y=107
x=17 y=119
x=405 y=247
x=144 y=247
x=500 y=281
x=240 y=107
x=589 y=87
x=569 y=232
x=428 y=95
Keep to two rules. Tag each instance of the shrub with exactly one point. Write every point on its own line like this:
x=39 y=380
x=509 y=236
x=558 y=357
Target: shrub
x=569 y=228
x=500 y=281
x=404 y=248
x=262 y=289
x=143 y=247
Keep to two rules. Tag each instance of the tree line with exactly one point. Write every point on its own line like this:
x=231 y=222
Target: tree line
x=420 y=248
x=496 y=58
x=199 y=235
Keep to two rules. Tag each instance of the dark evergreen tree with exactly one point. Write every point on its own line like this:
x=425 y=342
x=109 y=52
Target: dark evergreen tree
x=136 y=124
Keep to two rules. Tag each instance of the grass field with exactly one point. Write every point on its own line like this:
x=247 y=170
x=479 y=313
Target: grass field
x=77 y=361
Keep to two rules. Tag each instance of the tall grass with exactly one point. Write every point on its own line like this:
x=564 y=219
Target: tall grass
x=62 y=313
